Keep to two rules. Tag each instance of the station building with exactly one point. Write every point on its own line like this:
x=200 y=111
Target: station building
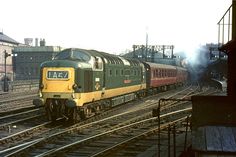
x=7 y=44
x=27 y=63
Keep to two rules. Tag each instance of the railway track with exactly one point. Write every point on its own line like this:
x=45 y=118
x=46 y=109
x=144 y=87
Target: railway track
x=27 y=136
x=13 y=95
x=17 y=110
x=19 y=117
x=134 y=110
x=86 y=144
x=16 y=100
x=10 y=142
x=95 y=124
x=16 y=126
x=136 y=144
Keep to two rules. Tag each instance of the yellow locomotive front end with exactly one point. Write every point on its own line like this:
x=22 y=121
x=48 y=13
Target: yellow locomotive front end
x=57 y=83
x=57 y=91
x=61 y=84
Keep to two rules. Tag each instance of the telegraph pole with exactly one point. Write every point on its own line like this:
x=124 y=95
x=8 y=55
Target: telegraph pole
x=5 y=85
x=146 y=45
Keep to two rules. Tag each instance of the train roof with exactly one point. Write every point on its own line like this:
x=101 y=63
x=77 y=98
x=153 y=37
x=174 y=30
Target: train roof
x=114 y=59
x=155 y=65
x=110 y=58
x=181 y=68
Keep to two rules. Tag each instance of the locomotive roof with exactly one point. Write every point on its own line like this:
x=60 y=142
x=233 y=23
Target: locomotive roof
x=112 y=59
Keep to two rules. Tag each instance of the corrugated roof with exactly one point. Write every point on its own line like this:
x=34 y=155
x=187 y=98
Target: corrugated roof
x=5 y=38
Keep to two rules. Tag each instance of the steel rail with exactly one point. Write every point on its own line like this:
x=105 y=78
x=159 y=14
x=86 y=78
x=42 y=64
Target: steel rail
x=53 y=151
x=151 y=131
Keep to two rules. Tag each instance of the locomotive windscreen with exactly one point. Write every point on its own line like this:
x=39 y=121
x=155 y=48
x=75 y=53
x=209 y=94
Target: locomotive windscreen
x=72 y=55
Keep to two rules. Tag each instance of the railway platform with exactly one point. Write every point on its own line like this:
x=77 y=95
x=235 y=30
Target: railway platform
x=214 y=126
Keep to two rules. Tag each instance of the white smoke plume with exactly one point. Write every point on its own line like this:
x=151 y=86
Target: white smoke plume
x=197 y=60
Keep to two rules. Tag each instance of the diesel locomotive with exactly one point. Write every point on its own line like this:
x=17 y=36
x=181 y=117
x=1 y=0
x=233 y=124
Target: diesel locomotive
x=78 y=83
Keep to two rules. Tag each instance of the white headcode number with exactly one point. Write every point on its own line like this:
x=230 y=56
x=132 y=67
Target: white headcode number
x=57 y=74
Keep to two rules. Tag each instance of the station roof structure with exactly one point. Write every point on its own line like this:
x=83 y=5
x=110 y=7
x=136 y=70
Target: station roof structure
x=7 y=39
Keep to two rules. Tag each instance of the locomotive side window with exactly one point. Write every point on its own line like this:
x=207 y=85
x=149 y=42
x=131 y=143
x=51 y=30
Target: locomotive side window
x=110 y=72
x=127 y=72
x=98 y=64
x=116 y=72
x=122 y=72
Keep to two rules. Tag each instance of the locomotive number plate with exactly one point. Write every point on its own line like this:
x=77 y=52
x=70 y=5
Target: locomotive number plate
x=57 y=75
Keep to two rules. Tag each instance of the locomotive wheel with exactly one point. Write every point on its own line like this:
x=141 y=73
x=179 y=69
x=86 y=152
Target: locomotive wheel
x=51 y=110
x=48 y=112
x=73 y=115
x=76 y=116
x=82 y=114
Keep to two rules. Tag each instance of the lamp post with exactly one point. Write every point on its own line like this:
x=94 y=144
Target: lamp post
x=5 y=83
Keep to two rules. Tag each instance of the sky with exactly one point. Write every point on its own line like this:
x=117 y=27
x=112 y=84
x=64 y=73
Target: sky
x=114 y=26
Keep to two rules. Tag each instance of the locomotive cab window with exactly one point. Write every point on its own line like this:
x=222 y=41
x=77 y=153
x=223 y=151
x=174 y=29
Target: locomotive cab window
x=80 y=56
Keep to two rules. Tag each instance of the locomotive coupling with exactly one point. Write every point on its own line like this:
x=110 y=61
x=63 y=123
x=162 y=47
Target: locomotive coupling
x=38 y=102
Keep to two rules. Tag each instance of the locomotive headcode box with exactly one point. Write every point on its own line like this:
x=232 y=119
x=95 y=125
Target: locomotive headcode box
x=57 y=74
